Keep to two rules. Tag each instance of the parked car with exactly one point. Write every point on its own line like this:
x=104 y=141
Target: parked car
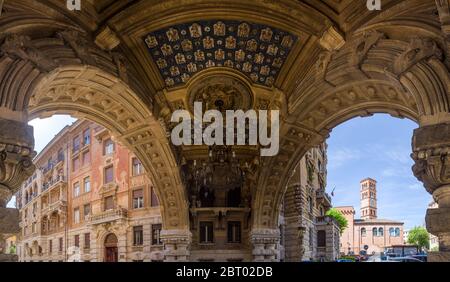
x=402 y=259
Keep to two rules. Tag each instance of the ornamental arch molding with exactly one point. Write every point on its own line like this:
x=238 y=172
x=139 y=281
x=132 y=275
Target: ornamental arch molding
x=372 y=74
x=88 y=92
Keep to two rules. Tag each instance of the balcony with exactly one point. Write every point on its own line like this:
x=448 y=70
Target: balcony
x=323 y=198
x=60 y=179
x=108 y=216
x=325 y=220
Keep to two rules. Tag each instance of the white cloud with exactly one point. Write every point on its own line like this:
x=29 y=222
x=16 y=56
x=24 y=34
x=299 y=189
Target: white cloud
x=46 y=129
x=340 y=157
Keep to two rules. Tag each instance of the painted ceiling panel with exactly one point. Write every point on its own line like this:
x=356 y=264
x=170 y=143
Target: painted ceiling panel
x=256 y=50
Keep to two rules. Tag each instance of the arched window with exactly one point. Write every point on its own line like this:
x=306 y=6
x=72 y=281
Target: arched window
x=397 y=232
x=380 y=232
x=363 y=232
x=375 y=232
x=392 y=232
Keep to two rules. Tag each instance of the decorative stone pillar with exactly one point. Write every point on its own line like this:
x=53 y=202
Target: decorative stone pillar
x=431 y=153
x=265 y=244
x=176 y=244
x=16 y=153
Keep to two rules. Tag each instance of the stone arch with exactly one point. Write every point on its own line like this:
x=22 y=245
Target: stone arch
x=410 y=81
x=89 y=92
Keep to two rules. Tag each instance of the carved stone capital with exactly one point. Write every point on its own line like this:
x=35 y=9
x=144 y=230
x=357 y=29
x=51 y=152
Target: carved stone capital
x=431 y=153
x=16 y=154
x=420 y=48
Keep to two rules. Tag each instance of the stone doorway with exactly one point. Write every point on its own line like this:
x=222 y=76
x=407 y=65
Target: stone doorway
x=111 y=251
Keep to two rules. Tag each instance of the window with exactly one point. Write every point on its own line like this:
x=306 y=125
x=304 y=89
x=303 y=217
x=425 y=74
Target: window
x=76 y=216
x=234 y=232
x=86 y=211
x=60 y=244
x=392 y=232
x=310 y=201
x=138 y=235
x=76 y=189
x=76 y=144
x=86 y=158
x=77 y=241
x=154 y=200
x=33 y=227
x=75 y=164
x=109 y=203
x=363 y=232
x=87 y=240
x=380 y=232
x=50 y=246
x=109 y=174
x=86 y=137
x=156 y=234
x=138 y=199
x=60 y=155
x=374 y=232
x=108 y=147
x=321 y=238
x=206 y=232
x=397 y=232
x=87 y=185
x=137 y=169
x=311 y=239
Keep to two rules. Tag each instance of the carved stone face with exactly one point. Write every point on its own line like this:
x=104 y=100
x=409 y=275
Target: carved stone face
x=221 y=93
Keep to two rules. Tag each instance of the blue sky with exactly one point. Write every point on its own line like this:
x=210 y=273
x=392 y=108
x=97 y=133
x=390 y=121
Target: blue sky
x=378 y=147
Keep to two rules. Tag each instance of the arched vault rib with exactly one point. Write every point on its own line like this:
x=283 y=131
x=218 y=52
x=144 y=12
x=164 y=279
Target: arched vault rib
x=96 y=95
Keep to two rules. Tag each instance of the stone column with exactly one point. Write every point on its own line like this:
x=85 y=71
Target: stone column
x=176 y=244
x=265 y=245
x=16 y=153
x=431 y=153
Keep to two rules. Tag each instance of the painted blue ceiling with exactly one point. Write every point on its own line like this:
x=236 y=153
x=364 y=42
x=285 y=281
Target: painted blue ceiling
x=258 y=51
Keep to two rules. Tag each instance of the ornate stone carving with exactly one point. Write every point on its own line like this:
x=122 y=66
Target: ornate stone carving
x=322 y=63
x=332 y=39
x=107 y=39
x=443 y=7
x=265 y=244
x=21 y=46
x=16 y=153
x=419 y=49
x=79 y=44
x=176 y=244
x=431 y=153
x=122 y=69
x=221 y=93
x=364 y=45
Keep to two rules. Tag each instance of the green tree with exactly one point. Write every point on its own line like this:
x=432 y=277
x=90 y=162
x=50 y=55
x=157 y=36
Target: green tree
x=339 y=217
x=419 y=236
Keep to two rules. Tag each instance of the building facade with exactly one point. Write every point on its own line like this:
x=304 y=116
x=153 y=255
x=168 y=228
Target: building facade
x=369 y=233
x=90 y=200
x=307 y=233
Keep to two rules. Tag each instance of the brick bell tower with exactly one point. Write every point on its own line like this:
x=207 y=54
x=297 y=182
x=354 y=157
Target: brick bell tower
x=368 y=198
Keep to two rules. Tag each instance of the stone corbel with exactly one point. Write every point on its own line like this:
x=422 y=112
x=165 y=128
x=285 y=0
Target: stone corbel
x=420 y=48
x=443 y=7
